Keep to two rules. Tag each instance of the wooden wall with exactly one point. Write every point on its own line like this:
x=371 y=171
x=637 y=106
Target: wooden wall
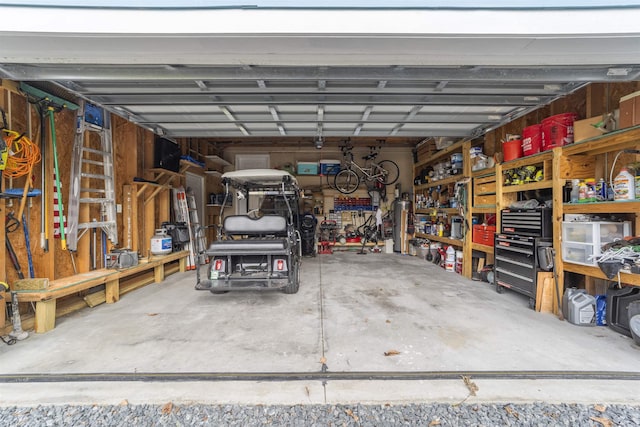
x=133 y=156
x=593 y=100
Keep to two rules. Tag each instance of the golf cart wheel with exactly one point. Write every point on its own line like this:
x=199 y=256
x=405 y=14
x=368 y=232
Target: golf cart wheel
x=294 y=280
x=499 y=289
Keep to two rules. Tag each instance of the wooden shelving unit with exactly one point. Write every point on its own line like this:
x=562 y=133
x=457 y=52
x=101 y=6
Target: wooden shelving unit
x=584 y=160
x=580 y=160
x=216 y=166
x=447 y=240
x=465 y=244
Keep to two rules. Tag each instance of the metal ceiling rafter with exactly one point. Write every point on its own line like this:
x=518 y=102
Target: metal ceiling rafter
x=80 y=72
x=227 y=112
x=343 y=99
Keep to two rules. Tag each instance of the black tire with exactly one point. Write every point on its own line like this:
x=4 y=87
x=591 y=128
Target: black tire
x=499 y=289
x=347 y=181
x=532 y=303
x=392 y=172
x=217 y=292
x=331 y=181
x=294 y=280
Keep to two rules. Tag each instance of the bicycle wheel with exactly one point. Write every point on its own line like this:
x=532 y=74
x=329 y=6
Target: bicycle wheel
x=347 y=181
x=388 y=173
x=331 y=181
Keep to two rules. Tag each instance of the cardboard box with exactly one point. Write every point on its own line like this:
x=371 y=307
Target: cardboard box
x=629 y=110
x=583 y=129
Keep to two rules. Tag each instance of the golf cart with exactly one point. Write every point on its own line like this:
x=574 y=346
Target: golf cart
x=261 y=249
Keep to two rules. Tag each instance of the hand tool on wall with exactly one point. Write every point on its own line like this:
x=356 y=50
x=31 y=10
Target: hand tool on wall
x=12 y=224
x=48 y=104
x=63 y=239
x=25 y=227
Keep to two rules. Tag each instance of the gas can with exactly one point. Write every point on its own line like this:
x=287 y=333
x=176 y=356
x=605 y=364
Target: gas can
x=582 y=310
x=161 y=242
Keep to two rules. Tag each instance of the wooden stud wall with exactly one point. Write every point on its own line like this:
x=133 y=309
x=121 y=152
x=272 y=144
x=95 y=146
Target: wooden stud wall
x=133 y=154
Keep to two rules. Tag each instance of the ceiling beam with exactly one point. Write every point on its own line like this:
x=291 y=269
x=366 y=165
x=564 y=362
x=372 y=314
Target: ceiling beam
x=338 y=99
x=80 y=72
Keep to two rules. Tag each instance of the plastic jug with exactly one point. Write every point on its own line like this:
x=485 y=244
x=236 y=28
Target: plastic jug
x=582 y=310
x=450 y=261
x=568 y=294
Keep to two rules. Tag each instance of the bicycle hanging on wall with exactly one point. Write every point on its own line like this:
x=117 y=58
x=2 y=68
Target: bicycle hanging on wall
x=348 y=179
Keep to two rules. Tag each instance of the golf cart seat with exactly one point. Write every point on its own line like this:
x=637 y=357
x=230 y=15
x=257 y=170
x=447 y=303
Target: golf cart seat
x=266 y=234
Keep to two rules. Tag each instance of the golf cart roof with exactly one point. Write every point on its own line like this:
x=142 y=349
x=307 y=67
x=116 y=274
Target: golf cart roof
x=260 y=177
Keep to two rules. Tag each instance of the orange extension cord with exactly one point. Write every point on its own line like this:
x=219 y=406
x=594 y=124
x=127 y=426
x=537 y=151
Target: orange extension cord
x=23 y=154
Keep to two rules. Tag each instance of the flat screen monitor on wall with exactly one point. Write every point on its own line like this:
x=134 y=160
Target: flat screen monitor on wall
x=166 y=155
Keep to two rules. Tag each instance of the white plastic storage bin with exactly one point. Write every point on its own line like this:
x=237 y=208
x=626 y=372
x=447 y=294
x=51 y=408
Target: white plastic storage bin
x=583 y=239
x=578 y=253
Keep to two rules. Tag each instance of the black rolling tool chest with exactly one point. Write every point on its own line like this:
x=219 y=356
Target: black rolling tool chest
x=516 y=266
x=527 y=222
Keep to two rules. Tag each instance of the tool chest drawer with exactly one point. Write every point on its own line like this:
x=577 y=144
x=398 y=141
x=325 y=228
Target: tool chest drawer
x=516 y=262
x=527 y=222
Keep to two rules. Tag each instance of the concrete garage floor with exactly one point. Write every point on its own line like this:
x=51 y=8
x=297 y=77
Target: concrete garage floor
x=351 y=309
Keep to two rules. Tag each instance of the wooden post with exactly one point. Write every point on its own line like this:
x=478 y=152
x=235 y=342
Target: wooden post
x=128 y=219
x=158 y=272
x=467 y=248
x=558 y=215
x=112 y=290
x=45 y=316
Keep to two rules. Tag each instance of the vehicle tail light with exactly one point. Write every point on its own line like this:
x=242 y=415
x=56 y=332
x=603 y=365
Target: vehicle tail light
x=280 y=265
x=218 y=265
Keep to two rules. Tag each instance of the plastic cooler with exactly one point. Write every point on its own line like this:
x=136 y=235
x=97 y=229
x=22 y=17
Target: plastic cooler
x=307 y=168
x=329 y=167
x=483 y=234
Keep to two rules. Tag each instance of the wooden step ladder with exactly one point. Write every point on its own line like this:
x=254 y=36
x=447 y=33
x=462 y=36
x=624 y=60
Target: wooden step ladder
x=92 y=181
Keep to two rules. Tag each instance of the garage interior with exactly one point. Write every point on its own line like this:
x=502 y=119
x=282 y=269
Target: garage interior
x=290 y=89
